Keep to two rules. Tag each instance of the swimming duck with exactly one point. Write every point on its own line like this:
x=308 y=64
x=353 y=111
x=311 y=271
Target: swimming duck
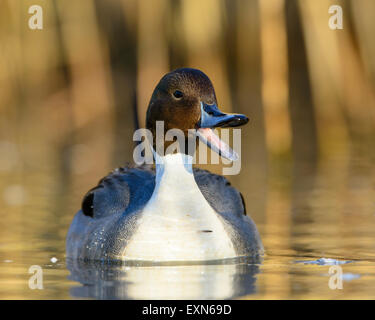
x=172 y=212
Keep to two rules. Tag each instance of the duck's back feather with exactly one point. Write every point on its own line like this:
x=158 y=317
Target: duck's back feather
x=125 y=189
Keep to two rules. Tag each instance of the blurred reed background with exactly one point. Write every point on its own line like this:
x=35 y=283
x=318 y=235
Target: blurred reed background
x=71 y=94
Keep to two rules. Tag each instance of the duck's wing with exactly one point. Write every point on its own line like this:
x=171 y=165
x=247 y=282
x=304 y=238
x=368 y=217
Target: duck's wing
x=229 y=204
x=219 y=193
x=124 y=190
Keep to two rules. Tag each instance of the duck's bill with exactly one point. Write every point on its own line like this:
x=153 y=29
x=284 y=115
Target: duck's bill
x=212 y=117
x=208 y=136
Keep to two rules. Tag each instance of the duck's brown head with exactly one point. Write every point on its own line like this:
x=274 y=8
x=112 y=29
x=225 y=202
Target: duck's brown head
x=185 y=99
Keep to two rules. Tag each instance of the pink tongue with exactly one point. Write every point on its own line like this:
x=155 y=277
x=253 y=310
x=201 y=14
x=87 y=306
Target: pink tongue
x=208 y=136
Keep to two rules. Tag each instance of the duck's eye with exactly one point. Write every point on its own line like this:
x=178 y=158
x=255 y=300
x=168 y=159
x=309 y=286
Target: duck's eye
x=178 y=94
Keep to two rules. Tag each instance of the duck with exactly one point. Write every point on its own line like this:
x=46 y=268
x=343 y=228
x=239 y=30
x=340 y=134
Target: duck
x=170 y=211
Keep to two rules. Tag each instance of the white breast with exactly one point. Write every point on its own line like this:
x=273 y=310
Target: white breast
x=178 y=224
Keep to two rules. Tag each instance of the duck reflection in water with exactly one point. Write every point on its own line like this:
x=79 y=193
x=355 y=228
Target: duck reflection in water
x=216 y=280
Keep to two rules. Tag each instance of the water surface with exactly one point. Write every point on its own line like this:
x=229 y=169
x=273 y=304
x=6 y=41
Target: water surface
x=310 y=217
